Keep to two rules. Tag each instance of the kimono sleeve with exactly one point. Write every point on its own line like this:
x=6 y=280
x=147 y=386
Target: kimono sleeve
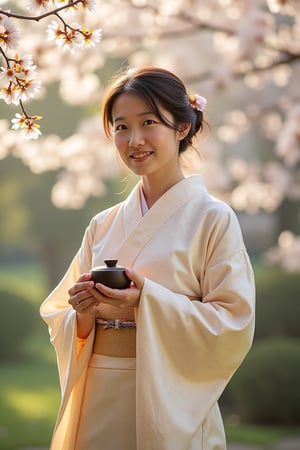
x=61 y=318
x=189 y=350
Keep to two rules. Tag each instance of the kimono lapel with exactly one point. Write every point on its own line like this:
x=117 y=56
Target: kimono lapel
x=139 y=229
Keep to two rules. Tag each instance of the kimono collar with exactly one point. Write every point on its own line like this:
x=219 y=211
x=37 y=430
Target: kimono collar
x=138 y=229
x=144 y=206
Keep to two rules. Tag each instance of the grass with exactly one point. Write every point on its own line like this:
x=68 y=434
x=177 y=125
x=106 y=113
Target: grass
x=28 y=280
x=29 y=400
x=29 y=390
x=258 y=435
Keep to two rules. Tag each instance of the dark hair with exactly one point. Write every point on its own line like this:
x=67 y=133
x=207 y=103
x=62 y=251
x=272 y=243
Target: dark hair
x=158 y=88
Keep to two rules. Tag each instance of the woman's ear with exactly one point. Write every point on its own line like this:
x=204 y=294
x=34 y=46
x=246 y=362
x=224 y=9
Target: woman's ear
x=184 y=129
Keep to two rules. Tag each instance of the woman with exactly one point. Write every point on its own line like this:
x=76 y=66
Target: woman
x=143 y=368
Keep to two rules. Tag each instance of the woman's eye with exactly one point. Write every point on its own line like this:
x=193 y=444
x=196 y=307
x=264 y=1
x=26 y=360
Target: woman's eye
x=120 y=127
x=149 y=122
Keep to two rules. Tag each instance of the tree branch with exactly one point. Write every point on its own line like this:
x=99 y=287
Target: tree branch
x=188 y=19
x=41 y=16
x=4 y=56
x=288 y=59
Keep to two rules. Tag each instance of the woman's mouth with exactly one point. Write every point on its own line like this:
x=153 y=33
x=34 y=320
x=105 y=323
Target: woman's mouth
x=141 y=156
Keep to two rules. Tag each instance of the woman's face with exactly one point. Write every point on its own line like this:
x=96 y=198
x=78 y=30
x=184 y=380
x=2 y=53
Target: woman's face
x=146 y=145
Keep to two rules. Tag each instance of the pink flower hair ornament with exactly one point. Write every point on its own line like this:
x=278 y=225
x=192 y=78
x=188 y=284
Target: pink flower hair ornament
x=197 y=102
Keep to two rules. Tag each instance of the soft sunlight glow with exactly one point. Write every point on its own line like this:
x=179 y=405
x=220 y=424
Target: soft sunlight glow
x=238 y=169
x=287 y=254
x=286 y=239
x=254 y=81
x=282 y=75
x=253 y=195
x=225 y=43
x=271 y=124
x=227 y=134
x=28 y=403
x=234 y=12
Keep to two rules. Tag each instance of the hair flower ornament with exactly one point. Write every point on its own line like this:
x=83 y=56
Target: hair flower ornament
x=197 y=102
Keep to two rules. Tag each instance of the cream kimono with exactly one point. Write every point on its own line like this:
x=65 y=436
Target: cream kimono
x=195 y=319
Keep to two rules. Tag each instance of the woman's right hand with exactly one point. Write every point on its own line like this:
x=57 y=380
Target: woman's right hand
x=81 y=298
x=84 y=303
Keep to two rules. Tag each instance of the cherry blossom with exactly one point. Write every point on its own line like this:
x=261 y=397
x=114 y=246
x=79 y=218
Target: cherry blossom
x=9 y=35
x=90 y=5
x=37 y=5
x=7 y=75
x=66 y=39
x=287 y=253
x=71 y=37
x=9 y=94
x=197 y=101
x=29 y=129
x=19 y=78
x=89 y=38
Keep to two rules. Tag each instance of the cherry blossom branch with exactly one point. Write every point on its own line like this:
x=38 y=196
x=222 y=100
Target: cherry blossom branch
x=19 y=76
x=289 y=59
x=187 y=18
x=4 y=56
x=196 y=25
x=41 y=16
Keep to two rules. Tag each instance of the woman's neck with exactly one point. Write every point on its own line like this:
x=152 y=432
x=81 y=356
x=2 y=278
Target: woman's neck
x=154 y=189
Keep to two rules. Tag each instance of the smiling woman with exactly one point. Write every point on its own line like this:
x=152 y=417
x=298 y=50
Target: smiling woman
x=190 y=303
x=146 y=145
x=152 y=120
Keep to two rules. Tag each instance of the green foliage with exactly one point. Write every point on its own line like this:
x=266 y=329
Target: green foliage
x=29 y=387
x=17 y=320
x=259 y=435
x=29 y=398
x=266 y=389
x=278 y=305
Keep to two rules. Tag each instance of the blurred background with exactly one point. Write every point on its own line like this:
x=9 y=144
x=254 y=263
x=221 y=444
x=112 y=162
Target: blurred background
x=244 y=58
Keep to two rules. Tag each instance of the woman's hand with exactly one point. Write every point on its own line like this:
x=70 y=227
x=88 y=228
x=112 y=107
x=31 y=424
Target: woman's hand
x=85 y=296
x=81 y=295
x=83 y=300
x=121 y=297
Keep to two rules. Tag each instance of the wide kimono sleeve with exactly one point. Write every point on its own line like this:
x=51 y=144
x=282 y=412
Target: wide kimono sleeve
x=187 y=350
x=72 y=353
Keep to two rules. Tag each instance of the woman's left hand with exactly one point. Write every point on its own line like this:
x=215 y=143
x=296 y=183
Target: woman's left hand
x=121 y=297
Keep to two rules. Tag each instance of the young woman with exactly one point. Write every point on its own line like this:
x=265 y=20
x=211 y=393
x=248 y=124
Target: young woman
x=143 y=368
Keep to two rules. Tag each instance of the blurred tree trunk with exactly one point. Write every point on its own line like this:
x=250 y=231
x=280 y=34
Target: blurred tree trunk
x=289 y=216
x=55 y=263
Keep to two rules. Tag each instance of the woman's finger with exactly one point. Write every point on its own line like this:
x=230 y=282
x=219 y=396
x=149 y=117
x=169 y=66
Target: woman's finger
x=137 y=279
x=80 y=286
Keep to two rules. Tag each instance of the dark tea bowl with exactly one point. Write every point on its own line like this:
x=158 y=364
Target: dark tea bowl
x=111 y=275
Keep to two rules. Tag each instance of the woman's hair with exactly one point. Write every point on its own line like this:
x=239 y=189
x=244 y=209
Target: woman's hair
x=158 y=88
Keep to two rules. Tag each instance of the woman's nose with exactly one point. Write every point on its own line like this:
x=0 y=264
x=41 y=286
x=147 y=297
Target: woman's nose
x=136 y=139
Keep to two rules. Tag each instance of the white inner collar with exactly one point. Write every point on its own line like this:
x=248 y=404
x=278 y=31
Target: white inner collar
x=144 y=205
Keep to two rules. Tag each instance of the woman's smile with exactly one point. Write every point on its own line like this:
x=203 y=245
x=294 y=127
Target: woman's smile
x=140 y=156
